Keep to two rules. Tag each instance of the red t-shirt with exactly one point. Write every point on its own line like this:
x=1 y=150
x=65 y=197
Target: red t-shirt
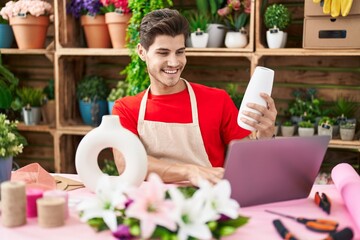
x=217 y=116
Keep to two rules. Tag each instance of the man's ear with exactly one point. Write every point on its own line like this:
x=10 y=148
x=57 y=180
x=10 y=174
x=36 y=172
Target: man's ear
x=141 y=51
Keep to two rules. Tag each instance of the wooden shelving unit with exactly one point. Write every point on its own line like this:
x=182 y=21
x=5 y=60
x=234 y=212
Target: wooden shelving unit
x=70 y=60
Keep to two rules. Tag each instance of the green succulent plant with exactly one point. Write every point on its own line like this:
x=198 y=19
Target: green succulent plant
x=29 y=96
x=92 y=88
x=306 y=124
x=118 y=92
x=277 y=16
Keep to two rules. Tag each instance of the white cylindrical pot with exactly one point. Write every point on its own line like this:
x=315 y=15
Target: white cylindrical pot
x=236 y=40
x=110 y=134
x=261 y=82
x=274 y=39
x=199 y=40
x=216 y=35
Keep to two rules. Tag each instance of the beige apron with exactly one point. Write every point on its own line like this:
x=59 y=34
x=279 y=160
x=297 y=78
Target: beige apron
x=173 y=142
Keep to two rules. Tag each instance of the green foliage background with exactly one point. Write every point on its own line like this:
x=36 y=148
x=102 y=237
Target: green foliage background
x=136 y=74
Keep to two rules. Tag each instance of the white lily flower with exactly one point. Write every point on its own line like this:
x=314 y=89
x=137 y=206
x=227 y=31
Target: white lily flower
x=109 y=196
x=191 y=216
x=218 y=199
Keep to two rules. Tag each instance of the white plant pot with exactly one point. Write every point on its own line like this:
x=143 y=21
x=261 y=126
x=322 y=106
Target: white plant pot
x=284 y=40
x=31 y=115
x=287 y=131
x=325 y=131
x=199 y=40
x=275 y=39
x=306 y=132
x=235 y=40
x=347 y=134
x=216 y=35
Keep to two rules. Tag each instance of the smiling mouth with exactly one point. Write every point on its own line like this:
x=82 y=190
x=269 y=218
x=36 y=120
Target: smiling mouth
x=174 y=71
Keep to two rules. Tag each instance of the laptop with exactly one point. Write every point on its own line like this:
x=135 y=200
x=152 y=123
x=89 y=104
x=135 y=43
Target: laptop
x=273 y=170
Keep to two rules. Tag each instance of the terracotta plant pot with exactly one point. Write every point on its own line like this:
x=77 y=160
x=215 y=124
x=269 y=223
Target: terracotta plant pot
x=117 y=25
x=96 y=31
x=29 y=31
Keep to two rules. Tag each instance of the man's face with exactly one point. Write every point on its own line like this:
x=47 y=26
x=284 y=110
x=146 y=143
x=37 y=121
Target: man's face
x=165 y=62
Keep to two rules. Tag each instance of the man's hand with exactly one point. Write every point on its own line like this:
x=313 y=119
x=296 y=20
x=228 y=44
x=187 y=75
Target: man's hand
x=264 y=121
x=175 y=172
x=211 y=174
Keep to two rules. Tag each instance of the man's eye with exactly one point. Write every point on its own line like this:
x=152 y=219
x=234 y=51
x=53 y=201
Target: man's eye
x=162 y=53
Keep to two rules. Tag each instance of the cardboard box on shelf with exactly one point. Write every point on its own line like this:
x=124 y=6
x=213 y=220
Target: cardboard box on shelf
x=327 y=32
x=315 y=10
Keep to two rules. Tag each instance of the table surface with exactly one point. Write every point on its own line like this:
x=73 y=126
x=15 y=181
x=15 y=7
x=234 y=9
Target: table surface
x=259 y=226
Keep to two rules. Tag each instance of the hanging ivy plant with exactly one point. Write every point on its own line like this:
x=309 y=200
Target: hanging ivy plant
x=136 y=74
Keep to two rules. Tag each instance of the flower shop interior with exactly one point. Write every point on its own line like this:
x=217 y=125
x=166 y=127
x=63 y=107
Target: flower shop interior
x=316 y=64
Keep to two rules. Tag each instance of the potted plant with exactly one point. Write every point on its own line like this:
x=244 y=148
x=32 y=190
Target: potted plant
x=306 y=128
x=325 y=126
x=347 y=130
x=287 y=129
x=306 y=106
x=8 y=86
x=34 y=15
x=277 y=18
x=48 y=108
x=198 y=25
x=117 y=17
x=92 y=92
x=31 y=101
x=344 y=109
x=215 y=28
x=11 y=144
x=236 y=17
x=6 y=33
x=116 y=93
x=92 y=19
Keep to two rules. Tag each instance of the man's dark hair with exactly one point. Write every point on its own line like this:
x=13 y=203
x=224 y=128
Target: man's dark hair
x=162 y=22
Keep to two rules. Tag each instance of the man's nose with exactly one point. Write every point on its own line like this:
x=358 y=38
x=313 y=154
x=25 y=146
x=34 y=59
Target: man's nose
x=173 y=61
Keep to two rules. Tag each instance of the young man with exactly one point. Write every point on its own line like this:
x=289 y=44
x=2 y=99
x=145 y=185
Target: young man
x=185 y=127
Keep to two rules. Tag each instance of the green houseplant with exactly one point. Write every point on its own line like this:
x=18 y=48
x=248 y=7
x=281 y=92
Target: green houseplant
x=11 y=144
x=216 y=28
x=287 y=128
x=277 y=18
x=49 y=103
x=198 y=26
x=116 y=93
x=91 y=93
x=136 y=74
x=347 y=130
x=306 y=128
x=326 y=126
x=8 y=85
x=31 y=100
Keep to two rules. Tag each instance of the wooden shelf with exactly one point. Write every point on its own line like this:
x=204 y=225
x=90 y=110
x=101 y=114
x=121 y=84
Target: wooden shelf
x=306 y=52
x=15 y=51
x=36 y=128
x=353 y=145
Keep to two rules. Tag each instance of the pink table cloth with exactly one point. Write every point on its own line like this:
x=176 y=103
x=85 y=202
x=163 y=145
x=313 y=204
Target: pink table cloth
x=259 y=227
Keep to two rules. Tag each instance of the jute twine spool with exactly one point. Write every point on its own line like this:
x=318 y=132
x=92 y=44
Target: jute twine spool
x=51 y=212
x=13 y=201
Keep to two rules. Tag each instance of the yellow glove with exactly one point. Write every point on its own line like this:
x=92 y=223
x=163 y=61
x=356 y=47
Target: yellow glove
x=335 y=8
x=327 y=6
x=345 y=7
x=316 y=1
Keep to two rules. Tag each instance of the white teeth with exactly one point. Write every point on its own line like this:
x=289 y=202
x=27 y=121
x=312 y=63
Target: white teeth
x=170 y=72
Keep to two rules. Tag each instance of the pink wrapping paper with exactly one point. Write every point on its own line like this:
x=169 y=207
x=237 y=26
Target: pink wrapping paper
x=347 y=182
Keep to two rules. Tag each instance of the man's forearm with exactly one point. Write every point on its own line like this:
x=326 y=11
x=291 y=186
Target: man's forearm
x=169 y=172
